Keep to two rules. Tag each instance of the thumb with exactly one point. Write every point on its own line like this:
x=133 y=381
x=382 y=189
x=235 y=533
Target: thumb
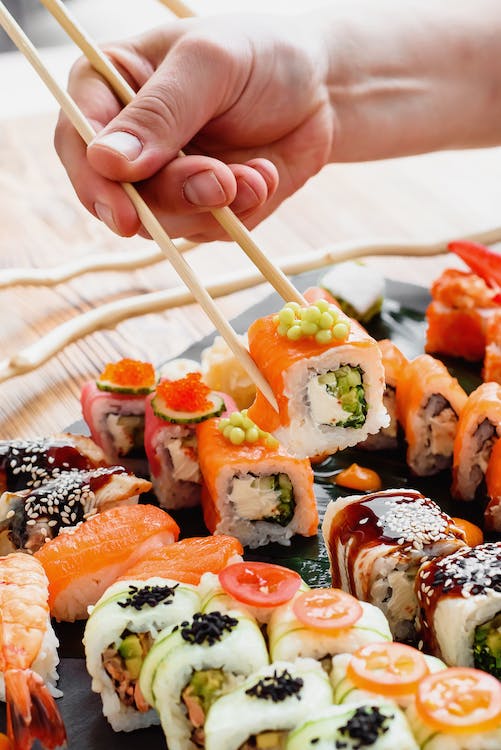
x=172 y=106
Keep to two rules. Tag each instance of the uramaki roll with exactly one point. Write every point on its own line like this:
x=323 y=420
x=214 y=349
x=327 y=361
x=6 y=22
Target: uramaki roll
x=492 y=514
x=429 y=402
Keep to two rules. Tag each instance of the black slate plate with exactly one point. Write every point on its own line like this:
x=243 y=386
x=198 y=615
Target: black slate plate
x=401 y=320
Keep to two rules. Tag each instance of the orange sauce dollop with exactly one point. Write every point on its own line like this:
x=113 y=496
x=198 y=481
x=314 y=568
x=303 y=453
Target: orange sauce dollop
x=357 y=477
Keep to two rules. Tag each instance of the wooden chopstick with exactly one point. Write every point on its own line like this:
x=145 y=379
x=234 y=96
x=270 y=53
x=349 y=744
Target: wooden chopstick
x=226 y=218
x=148 y=219
x=178 y=8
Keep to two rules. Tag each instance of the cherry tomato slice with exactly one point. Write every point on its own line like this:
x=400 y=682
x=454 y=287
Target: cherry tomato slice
x=259 y=584
x=327 y=609
x=474 y=534
x=460 y=700
x=392 y=669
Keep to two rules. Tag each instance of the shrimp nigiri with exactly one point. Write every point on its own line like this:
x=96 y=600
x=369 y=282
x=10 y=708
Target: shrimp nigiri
x=24 y=610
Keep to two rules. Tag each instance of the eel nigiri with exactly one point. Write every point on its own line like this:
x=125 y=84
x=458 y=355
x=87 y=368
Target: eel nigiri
x=186 y=561
x=479 y=428
x=81 y=563
x=24 y=629
x=429 y=403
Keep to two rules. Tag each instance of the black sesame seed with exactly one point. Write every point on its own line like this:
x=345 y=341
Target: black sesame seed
x=277 y=687
x=207 y=628
x=366 y=724
x=148 y=596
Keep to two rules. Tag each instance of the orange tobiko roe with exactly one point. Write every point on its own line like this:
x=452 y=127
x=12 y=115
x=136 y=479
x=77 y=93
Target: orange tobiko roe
x=129 y=373
x=187 y=394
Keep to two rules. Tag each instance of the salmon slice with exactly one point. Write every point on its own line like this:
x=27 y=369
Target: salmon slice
x=186 y=561
x=80 y=564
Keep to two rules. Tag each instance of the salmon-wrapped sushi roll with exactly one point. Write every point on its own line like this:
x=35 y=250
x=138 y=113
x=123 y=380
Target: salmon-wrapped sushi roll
x=376 y=543
x=113 y=408
x=492 y=514
x=393 y=362
x=172 y=414
x=327 y=375
x=253 y=488
x=429 y=402
x=479 y=428
x=492 y=359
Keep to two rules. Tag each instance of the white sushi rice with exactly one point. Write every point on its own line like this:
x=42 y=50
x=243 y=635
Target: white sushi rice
x=304 y=436
x=431 y=739
x=45 y=664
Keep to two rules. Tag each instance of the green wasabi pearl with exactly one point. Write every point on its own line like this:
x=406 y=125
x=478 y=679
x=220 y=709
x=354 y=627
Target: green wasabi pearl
x=237 y=435
x=308 y=329
x=340 y=331
x=326 y=320
x=282 y=329
x=323 y=337
x=271 y=442
x=292 y=306
x=294 y=333
x=252 y=435
x=236 y=419
x=223 y=423
x=227 y=431
x=311 y=314
x=286 y=316
x=247 y=423
x=322 y=305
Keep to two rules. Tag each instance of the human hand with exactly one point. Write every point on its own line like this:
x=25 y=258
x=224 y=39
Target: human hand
x=246 y=99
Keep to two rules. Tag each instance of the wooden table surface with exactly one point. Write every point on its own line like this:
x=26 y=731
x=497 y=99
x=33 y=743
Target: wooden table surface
x=421 y=199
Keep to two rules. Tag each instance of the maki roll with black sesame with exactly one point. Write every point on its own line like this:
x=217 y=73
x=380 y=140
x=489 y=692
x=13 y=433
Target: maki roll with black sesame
x=376 y=543
x=30 y=463
x=270 y=703
x=460 y=607
x=381 y=726
x=192 y=665
x=28 y=518
x=120 y=632
x=113 y=408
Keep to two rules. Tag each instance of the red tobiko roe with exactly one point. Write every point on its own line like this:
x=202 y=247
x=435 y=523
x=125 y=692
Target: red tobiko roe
x=188 y=394
x=129 y=373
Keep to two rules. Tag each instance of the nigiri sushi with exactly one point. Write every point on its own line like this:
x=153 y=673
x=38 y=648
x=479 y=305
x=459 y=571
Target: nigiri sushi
x=113 y=408
x=327 y=375
x=28 y=655
x=30 y=463
x=29 y=517
x=253 y=488
x=81 y=563
x=478 y=430
x=189 y=559
x=429 y=404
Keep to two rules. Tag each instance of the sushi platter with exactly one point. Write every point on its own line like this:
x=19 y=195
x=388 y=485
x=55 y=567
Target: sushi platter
x=401 y=320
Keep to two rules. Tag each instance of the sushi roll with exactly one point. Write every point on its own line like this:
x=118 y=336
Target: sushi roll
x=478 y=430
x=492 y=513
x=492 y=361
x=358 y=289
x=429 y=403
x=253 y=488
x=189 y=559
x=381 y=672
x=458 y=315
x=120 y=632
x=222 y=371
x=192 y=665
x=329 y=385
x=380 y=726
x=170 y=440
x=28 y=518
x=269 y=704
x=81 y=563
x=30 y=463
x=460 y=607
x=28 y=656
x=376 y=543
x=113 y=408
x=393 y=362
x=322 y=622
x=457 y=709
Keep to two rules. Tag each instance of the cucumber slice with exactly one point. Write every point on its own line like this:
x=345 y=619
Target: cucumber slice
x=161 y=410
x=108 y=385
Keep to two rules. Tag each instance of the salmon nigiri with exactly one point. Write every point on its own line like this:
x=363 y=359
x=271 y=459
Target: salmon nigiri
x=186 y=561
x=80 y=564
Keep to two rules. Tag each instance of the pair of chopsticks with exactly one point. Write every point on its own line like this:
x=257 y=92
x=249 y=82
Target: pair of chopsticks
x=225 y=216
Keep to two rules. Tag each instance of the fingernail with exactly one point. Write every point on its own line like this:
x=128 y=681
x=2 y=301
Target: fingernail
x=246 y=197
x=123 y=143
x=204 y=189
x=104 y=213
